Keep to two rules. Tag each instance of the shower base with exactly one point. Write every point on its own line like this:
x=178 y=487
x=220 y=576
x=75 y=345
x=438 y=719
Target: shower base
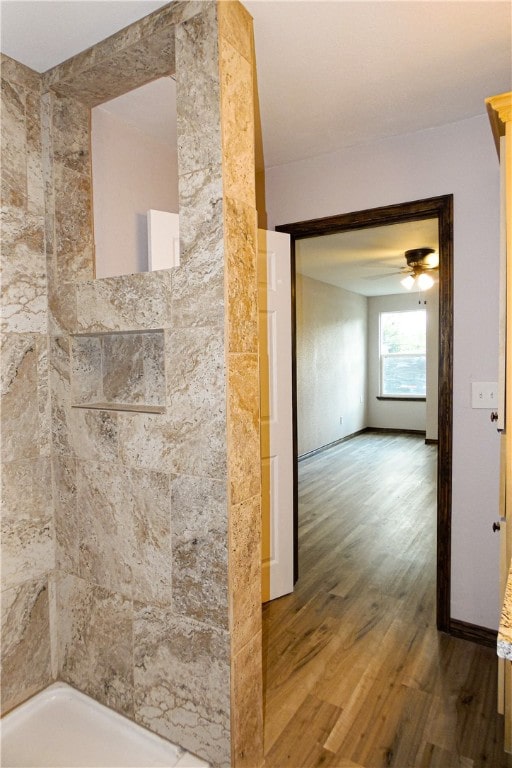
x=63 y=728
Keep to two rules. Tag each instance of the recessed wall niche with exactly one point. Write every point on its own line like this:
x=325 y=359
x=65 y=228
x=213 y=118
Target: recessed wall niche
x=134 y=169
x=119 y=371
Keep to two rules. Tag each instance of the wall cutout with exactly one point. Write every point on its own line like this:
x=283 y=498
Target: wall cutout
x=134 y=169
x=119 y=371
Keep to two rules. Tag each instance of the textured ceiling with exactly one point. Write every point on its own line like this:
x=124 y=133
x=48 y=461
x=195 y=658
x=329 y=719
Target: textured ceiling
x=330 y=74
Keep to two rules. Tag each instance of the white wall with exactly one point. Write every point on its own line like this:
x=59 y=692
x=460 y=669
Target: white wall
x=331 y=363
x=393 y=414
x=459 y=158
x=132 y=172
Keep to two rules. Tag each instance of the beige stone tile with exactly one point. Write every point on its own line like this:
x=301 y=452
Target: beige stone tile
x=123 y=368
x=243 y=427
x=28 y=550
x=182 y=682
x=200 y=445
x=153 y=358
x=125 y=541
x=70 y=134
x=60 y=389
x=74 y=247
x=96 y=642
x=13 y=142
x=150 y=495
x=67 y=520
x=20 y=407
x=62 y=308
x=15 y=72
x=237 y=126
x=93 y=434
x=247 y=704
x=197 y=296
x=43 y=395
x=86 y=370
x=35 y=186
x=145 y=441
x=26 y=662
x=198 y=92
x=240 y=238
x=196 y=377
x=235 y=25
x=24 y=303
x=245 y=571
x=199 y=545
x=125 y=303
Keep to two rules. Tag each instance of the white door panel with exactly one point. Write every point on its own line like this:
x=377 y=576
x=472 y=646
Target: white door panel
x=274 y=282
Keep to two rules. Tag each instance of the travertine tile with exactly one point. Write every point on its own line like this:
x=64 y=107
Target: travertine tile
x=200 y=446
x=181 y=670
x=150 y=496
x=26 y=662
x=66 y=514
x=245 y=570
x=125 y=542
x=86 y=370
x=15 y=72
x=123 y=368
x=247 y=705
x=70 y=134
x=60 y=388
x=145 y=441
x=197 y=92
x=243 y=427
x=43 y=395
x=24 y=303
x=96 y=642
x=94 y=434
x=20 y=407
x=106 y=526
x=13 y=136
x=153 y=357
x=237 y=126
x=199 y=544
x=35 y=186
x=197 y=296
x=196 y=380
x=126 y=303
x=240 y=234
x=27 y=521
x=235 y=25
x=74 y=247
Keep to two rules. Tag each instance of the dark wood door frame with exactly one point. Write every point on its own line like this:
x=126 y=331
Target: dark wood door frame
x=442 y=209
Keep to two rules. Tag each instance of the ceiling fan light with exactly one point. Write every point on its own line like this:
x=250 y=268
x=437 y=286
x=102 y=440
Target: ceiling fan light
x=425 y=281
x=408 y=282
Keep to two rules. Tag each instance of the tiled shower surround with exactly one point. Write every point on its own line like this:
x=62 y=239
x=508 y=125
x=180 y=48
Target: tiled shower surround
x=131 y=545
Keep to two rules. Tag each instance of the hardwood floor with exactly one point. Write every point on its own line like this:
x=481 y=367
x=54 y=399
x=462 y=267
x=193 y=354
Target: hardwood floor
x=356 y=674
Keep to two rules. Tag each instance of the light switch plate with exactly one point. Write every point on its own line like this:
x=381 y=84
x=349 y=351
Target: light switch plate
x=484 y=394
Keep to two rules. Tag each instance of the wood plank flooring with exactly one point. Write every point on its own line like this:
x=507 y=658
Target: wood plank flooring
x=356 y=674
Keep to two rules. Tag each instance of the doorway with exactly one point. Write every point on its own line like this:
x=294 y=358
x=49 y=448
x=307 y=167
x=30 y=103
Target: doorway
x=440 y=208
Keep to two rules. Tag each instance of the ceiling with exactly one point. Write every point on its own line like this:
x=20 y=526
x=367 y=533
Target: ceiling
x=365 y=261
x=330 y=74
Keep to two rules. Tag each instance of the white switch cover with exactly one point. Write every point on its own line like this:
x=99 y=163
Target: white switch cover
x=484 y=394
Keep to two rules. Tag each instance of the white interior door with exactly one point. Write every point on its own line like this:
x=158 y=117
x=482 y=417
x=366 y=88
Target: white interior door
x=274 y=284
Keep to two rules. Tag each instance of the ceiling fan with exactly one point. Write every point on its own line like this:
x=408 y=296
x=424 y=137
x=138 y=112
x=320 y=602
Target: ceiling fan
x=420 y=261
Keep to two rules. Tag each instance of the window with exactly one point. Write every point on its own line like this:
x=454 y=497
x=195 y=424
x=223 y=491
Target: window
x=403 y=354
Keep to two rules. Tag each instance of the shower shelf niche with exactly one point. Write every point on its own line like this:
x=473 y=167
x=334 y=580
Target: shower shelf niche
x=119 y=371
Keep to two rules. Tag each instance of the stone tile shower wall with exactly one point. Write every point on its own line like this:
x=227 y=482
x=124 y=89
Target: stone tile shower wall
x=154 y=405
x=27 y=520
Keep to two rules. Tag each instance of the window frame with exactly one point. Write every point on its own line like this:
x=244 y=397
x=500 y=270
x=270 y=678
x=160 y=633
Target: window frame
x=385 y=355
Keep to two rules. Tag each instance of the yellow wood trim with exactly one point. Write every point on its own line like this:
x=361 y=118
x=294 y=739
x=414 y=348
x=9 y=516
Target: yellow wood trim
x=499 y=109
